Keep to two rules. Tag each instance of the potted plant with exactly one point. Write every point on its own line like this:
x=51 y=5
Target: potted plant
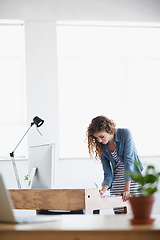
x=141 y=205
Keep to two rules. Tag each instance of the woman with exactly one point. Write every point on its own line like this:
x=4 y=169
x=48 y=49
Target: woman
x=117 y=151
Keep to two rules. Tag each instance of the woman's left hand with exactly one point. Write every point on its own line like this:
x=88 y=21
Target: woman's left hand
x=125 y=195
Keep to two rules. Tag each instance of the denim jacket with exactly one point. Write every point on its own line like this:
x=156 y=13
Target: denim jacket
x=127 y=153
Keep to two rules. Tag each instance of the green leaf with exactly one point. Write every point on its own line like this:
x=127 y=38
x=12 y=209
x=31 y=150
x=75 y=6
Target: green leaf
x=137 y=164
x=150 y=178
x=150 y=170
x=149 y=191
x=150 y=167
x=26 y=177
x=137 y=177
x=148 y=182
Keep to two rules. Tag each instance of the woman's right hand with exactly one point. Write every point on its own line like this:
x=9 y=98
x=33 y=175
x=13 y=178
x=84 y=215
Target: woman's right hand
x=103 y=189
x=101 y=192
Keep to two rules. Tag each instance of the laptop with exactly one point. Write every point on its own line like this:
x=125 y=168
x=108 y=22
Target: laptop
x=8 y=215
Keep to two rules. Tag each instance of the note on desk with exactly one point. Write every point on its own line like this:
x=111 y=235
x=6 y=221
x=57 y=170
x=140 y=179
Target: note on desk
x=106 y=196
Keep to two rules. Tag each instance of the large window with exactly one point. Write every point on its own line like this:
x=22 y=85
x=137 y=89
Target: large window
x=12 y=88
x=112 y=71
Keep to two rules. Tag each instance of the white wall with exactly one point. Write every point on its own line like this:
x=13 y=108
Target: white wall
x=41 y=67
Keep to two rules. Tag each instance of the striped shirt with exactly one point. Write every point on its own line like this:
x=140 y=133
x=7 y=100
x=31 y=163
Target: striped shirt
x=118 y=183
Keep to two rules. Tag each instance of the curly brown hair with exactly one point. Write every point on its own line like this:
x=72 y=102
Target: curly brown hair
x=98 y=124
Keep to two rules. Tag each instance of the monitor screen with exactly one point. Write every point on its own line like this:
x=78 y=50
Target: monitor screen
x=41 y=166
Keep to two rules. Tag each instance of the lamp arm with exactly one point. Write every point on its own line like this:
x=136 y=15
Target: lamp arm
x=13 y=160
x=12 y=153
x=36 y=120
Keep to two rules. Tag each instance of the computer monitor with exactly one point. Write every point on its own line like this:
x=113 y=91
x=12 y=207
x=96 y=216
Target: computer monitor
x=41 y=166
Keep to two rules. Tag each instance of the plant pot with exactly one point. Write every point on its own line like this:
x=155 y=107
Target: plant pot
x=142 y=208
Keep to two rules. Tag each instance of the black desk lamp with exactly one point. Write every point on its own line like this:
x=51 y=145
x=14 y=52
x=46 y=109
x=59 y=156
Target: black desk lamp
x=38 y=122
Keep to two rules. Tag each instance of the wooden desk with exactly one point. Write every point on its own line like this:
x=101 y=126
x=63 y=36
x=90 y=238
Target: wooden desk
x=63 y=199
x=83 y=227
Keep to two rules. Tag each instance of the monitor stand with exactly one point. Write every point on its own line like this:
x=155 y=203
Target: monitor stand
x=31 y=177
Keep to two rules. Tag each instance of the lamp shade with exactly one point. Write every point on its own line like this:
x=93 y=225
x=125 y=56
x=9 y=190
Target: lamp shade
x=37 y=121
